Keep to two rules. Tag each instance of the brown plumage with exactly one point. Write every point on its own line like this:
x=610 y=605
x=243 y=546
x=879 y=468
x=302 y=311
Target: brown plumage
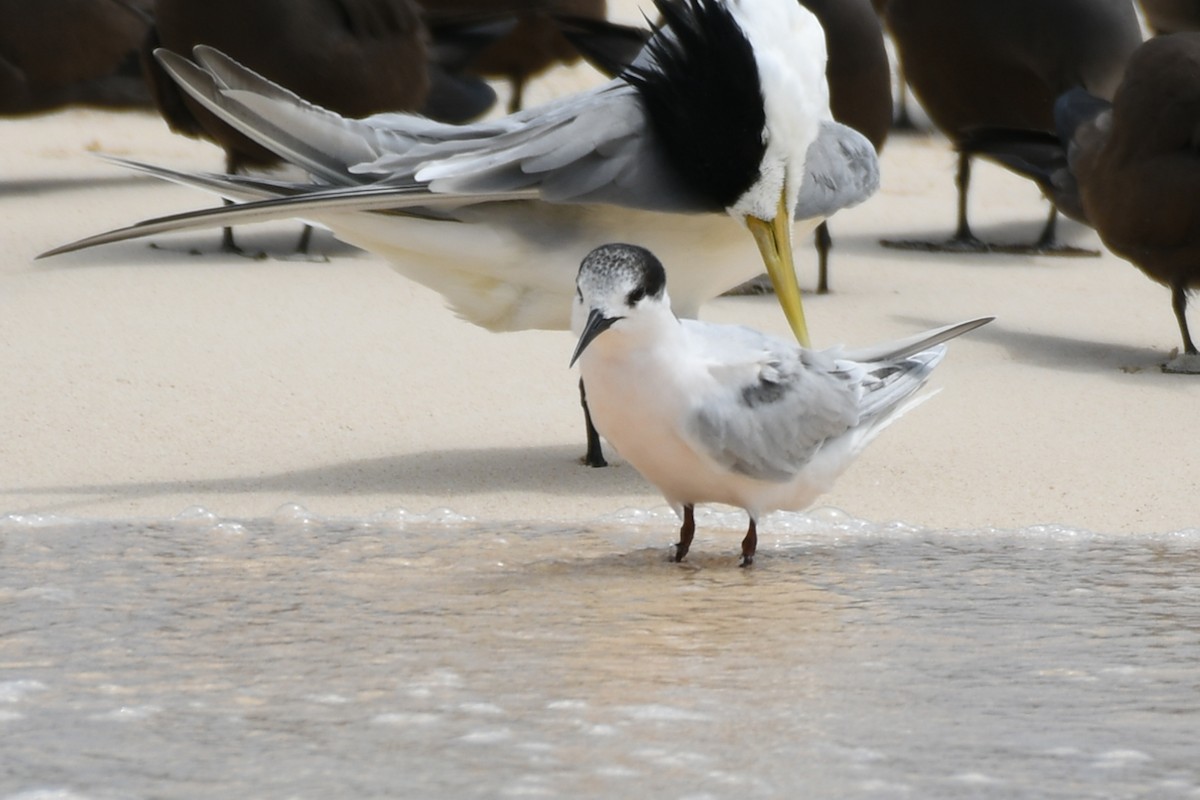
x=71 y=52
x=1138 y=169
x=1172 y=16
x=1002 y=63
x=535 y=43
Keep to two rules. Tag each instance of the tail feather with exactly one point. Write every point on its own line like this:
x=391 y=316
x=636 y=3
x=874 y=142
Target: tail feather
x=409 y=200
x=903 y=348
x=897 y=370
x=896 y=381
x=229 y=187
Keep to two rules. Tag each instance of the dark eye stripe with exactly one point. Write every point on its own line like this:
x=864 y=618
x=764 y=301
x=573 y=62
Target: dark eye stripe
x=637 y=294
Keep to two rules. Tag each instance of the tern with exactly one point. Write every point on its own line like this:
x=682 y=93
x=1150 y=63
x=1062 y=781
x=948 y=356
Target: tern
x=858 y=72
x=723 y=413
x=721 y=124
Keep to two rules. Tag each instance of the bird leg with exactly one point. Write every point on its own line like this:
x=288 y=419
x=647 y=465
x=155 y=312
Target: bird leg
x=1046 y=244
x=1179 y=302
x=686 y=532
x=824 y=244
x=228 y=245
x=963 y=241
x=749 y=544
x=594 y=457
x=1047 y=240
x=517 y=82
x=1188 y=362
x=963 y=236
x=305 y=240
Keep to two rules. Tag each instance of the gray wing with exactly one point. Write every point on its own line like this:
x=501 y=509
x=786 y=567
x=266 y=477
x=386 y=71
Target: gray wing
x=841 y=170
x=773 y=405
x=595 y=146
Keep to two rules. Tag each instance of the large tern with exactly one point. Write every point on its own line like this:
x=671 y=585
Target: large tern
x=724 y=413
x=722 y=122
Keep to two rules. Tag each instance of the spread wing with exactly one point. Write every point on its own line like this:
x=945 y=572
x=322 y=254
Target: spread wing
x=594 y=146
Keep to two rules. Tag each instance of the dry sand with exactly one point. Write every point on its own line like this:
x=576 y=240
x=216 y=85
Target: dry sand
x=138 y=382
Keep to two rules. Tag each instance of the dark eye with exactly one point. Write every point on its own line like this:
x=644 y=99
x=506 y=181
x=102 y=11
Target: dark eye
x=637 y=294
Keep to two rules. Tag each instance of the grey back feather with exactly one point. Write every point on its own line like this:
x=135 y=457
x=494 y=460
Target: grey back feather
x=841 y=170
x=785 y=403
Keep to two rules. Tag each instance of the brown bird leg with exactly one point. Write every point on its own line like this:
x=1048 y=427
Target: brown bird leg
x=1047 y=240
x=963 y=236
x=305 y=240
x=518 y=93
x=228 y=245
x=824 y=244
x=595 y=452
x=963 y=240
x=749 y=545
x=1179 y=302
x=686 y=532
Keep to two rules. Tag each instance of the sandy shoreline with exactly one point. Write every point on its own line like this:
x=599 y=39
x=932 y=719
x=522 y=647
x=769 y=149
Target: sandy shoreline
x=139 y=381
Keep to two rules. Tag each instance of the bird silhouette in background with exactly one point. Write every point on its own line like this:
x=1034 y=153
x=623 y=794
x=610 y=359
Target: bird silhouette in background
x=1130 y=169
x=1002 y=63
x=72 y=52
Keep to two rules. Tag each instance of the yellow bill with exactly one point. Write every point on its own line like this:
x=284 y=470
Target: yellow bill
x=774 y=239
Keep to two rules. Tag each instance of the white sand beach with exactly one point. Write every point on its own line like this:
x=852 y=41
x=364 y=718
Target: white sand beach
x=139 y=381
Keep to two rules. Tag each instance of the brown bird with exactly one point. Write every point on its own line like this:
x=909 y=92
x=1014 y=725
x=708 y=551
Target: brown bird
x=1138 y=169
x=534 y=44
x=1130 y=168
x=1172 y=16
x=71 y=52
x=1002 y=63
x=355 y=57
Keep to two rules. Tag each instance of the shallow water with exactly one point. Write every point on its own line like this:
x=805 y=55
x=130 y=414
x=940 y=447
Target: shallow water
x=429 y=656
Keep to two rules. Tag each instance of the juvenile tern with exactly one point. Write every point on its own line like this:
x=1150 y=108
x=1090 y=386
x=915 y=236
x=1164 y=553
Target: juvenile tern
x=726 y=414
x=721 y=124
x=1002 y=63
